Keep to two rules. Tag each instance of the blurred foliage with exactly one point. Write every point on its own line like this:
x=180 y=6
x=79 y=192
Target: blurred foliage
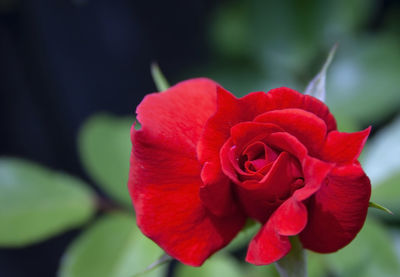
x=371 y=254
x=218 y=265
x=365 y=74
x=112 y=246
x=105 y=147
x=255 y=45
x=36 y=203
x=259 y=45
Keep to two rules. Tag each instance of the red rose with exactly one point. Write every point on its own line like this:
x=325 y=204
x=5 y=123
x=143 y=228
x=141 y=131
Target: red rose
x=204 y=161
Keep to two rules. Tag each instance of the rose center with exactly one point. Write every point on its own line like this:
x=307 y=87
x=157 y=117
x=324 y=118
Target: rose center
x=265 y=176
x=257 y=156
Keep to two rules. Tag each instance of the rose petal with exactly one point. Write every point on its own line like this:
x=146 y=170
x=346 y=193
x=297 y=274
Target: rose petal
x=344 y=147
x=267 y=246
x=242 y=135
x=284 y=98
x=260 y=199
x=287 y=142
x=315 y=173
x=271 y=242
x=291 y=217
x=164 y=186
x=177 y=116
x=248 y=132
x=216 y=191
x=309 y=129
x=338 y=210
x=230 y=111
x=226 y=156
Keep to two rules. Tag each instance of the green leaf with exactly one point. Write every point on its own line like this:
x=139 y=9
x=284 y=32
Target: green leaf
x=158 y=77
x=294 y=263
x=112 y=247
x=104 y=148
x=37 y=203
x=370 y=254
x=216 y=266
x=379 y=207
x=316 y=87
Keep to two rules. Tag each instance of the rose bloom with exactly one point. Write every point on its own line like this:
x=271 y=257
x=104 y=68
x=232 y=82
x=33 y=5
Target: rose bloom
x=204 y=161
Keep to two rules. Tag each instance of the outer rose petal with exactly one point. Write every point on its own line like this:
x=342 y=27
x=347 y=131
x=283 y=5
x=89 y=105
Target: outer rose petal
x=338 y=210
x=271 y=242
x=286 y=98
x=177 y=115
x=216 y=191
x=164 y=186
x=267 y=246
x=230 y=111
x=247 y=132
x=344 y=147
x=164 y=178
x=305 y=126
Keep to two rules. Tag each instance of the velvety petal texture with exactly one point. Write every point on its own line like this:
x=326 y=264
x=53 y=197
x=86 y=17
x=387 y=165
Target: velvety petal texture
x=338 y=210
x=204 y=161
x=164 y=179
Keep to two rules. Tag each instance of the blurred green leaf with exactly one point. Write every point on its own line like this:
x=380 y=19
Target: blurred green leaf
x=218 y=265
x=361 y=81
x=112 y=247
x=294 y=264
x=371 y=254
x=37 y=203
x=104 y=148
x=229 y=32
x=158 y=77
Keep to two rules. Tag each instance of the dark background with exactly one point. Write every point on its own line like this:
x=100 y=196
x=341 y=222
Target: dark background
x=63 y=60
